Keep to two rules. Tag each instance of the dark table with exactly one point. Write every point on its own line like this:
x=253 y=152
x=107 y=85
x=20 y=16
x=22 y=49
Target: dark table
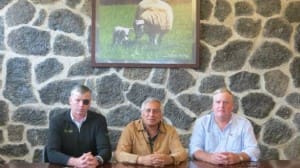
x=191 y=164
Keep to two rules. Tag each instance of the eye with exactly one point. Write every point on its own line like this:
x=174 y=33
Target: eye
x=153 y=110
x=86 y=101
x=148 y=110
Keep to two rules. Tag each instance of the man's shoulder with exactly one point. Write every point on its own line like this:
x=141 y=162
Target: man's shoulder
x=204 y=117
x=134 y=123
x=167 y=127
x=204 y=120
x=239 y=117
x=95 y=115
x=60 y=114
x=166 y=124
x=60 y=118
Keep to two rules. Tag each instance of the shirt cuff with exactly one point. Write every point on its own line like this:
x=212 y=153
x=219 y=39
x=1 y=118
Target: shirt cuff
x=99 y=159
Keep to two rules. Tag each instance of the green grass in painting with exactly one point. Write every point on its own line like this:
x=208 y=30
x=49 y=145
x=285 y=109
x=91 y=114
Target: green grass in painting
x=176 y=45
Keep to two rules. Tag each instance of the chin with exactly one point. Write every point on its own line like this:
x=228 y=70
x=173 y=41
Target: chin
x=152 y=124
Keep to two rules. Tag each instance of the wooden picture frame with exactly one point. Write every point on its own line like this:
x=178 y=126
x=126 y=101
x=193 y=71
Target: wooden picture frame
x=123 y=37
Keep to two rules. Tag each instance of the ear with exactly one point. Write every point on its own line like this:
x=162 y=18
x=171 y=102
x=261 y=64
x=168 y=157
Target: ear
x=70 y=99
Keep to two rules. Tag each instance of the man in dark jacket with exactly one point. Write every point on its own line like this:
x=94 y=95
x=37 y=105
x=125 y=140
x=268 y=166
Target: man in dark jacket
x=79 y=137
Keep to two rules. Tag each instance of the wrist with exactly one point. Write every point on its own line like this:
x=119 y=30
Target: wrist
x=241 y=158
x=137 y=159
x=172 y=160
x=99 y=159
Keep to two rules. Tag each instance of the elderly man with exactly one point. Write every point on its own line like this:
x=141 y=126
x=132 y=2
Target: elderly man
x=150 y=141
x=79 y=137
x=223 y=137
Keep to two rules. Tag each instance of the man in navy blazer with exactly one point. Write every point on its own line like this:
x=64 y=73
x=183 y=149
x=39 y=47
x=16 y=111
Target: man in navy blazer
x=79 y=137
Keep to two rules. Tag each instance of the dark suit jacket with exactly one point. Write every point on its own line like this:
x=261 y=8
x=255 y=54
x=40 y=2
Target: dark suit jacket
x=65 y=140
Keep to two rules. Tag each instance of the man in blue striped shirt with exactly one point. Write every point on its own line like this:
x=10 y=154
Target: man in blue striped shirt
x=223 y=137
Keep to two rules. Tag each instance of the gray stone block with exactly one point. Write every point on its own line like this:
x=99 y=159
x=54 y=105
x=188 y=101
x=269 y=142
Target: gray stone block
x=257 y=105
x=66 y=21
x=21 y=12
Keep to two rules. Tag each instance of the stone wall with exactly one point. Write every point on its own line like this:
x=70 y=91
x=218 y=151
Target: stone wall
x=250 y=46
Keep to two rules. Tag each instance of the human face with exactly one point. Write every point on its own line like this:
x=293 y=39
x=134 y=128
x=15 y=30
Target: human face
x=151 y=114
x=79 y=104
x=222 y=106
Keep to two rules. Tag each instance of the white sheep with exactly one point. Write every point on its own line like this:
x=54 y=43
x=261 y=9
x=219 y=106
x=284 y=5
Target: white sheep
x=153 y=17
x=120 y=35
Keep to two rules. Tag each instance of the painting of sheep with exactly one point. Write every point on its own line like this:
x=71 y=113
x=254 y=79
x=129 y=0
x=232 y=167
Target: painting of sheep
x=144 y=33
x=155 y=18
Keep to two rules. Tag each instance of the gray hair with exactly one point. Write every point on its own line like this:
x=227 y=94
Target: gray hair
x=224 y=90
x=80 y=89
x=148 y=100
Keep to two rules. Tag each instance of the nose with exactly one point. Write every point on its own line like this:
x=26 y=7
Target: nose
x=222 y=104
x=81 y=103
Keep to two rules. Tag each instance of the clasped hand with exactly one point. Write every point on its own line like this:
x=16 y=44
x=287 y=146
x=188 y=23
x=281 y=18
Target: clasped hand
x=226 y=158
x=156 y=159
x=87 y=160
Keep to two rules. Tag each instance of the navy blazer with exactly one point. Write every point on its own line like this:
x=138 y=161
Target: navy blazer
x=65 y=140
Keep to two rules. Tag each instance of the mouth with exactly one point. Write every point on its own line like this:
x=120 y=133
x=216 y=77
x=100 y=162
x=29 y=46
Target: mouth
x=151 y=120
x=81 y=111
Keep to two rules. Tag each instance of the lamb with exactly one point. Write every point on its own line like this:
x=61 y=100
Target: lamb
x=153 y=17
x=120 y=35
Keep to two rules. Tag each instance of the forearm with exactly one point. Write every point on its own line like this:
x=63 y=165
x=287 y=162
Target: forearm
x=103 y=145
x=125 y=157
x=171 y=160
x=201 y=155
x=156 y=160
x=57 y=157
x=179 y=156
x=178 y=152
x=105 y=154
x=250 y=144
x=243 y=157
x=252 y=153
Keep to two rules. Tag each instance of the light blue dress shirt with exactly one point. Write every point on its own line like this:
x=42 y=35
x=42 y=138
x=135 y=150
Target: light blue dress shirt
x=237 y=136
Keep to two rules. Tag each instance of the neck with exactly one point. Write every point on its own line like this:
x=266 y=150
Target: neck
x=77 y=117
x=222 y=122
x=152 y=129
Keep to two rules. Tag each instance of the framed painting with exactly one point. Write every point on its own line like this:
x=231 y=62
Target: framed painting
x=145 y=33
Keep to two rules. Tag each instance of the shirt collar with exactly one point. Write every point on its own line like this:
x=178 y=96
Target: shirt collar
x=162 y=128
x=213 y=122
x=73 y=119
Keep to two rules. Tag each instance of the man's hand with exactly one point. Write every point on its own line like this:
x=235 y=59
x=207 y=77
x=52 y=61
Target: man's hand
x=157 y=160
x=226 y=158
x=87 y=160
x=218 y=158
